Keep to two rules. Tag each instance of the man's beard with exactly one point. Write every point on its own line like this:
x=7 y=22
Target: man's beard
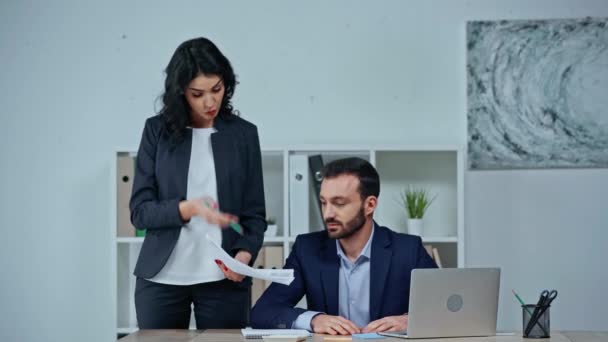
x=350 y=228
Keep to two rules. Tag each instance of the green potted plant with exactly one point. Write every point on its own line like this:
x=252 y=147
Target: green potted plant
x=416 y=201
x=271 y=229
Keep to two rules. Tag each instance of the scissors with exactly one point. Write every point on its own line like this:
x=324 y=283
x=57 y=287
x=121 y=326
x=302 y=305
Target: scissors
x=545 y=300
x=547 y=297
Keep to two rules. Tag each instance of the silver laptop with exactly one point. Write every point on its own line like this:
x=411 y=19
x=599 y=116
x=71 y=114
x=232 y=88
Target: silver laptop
x=452 y=302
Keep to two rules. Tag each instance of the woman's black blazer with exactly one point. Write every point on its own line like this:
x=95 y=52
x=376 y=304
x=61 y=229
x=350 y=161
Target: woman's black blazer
x=160 y=183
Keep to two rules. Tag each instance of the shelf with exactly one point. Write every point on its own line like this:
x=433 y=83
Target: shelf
x=270 y=239
x=363 y=147
x=129 y=330
x=425 y=239
x=133 y=239
x=267 y=239
x=439 y=239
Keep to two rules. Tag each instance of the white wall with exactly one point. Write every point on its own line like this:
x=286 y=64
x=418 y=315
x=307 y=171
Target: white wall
x=79 y=78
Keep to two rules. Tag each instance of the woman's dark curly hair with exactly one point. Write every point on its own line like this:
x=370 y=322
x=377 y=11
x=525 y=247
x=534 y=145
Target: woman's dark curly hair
x=190 y=59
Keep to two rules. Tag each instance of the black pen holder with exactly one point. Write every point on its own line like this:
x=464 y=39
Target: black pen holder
x=540 y=327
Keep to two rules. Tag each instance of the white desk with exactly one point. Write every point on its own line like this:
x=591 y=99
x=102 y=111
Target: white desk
x=235 y=336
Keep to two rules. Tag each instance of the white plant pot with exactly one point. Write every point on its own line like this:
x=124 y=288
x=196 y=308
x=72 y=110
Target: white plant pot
x=271 y=230
x=414 y=227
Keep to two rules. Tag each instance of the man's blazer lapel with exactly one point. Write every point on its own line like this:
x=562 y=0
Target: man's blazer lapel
x=381 y=257
x=330 y=268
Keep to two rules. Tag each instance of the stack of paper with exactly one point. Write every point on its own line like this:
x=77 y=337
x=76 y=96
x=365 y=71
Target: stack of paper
x=282 y=276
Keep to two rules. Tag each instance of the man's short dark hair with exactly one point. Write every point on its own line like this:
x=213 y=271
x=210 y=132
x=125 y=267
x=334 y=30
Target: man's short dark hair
x=369 y=181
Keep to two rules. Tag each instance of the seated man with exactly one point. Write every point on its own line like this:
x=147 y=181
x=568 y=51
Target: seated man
x=355 y=274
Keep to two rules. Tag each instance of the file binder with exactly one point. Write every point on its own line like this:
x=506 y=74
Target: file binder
x=269 y=257
x=273 y=259
x=299 y=195
x=315 y=162
x=258 y=285
x=437 y=258
x=125 y=170
x=429 y=250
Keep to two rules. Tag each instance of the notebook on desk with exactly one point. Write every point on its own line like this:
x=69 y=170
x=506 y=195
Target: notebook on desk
x=249 y=333
x=452 y=302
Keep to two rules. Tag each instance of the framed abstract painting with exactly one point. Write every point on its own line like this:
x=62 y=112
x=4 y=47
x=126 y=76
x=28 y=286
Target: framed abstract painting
x=537 y=93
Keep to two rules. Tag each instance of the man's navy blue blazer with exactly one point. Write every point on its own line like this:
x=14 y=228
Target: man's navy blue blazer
x=160 y=183
x=316 y=266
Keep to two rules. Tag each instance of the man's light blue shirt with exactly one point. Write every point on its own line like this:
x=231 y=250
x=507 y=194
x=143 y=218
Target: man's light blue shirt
x=353 y=288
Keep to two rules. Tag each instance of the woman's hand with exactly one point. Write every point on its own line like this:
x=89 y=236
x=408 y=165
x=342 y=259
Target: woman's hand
x=242 y=256
x=207 y=209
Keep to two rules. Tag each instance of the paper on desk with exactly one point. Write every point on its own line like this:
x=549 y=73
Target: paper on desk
x=282 y=276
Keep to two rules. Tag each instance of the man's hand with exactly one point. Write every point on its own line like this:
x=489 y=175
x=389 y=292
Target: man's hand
x=390 y=323
x=333 y=325
x=242 y=256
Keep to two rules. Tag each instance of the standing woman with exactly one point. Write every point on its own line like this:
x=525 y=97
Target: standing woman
x=198 y=169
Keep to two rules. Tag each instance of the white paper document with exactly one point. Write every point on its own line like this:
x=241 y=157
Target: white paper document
x=281 y=276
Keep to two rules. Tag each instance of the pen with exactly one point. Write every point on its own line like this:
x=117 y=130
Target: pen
x=235 y=226
x=520 y=300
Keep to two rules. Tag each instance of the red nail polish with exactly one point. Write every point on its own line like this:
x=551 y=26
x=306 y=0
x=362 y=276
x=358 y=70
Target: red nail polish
x=218 y=262
x=225 y=268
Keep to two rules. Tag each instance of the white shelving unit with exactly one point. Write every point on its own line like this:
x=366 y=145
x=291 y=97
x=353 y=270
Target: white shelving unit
x=440 y=169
